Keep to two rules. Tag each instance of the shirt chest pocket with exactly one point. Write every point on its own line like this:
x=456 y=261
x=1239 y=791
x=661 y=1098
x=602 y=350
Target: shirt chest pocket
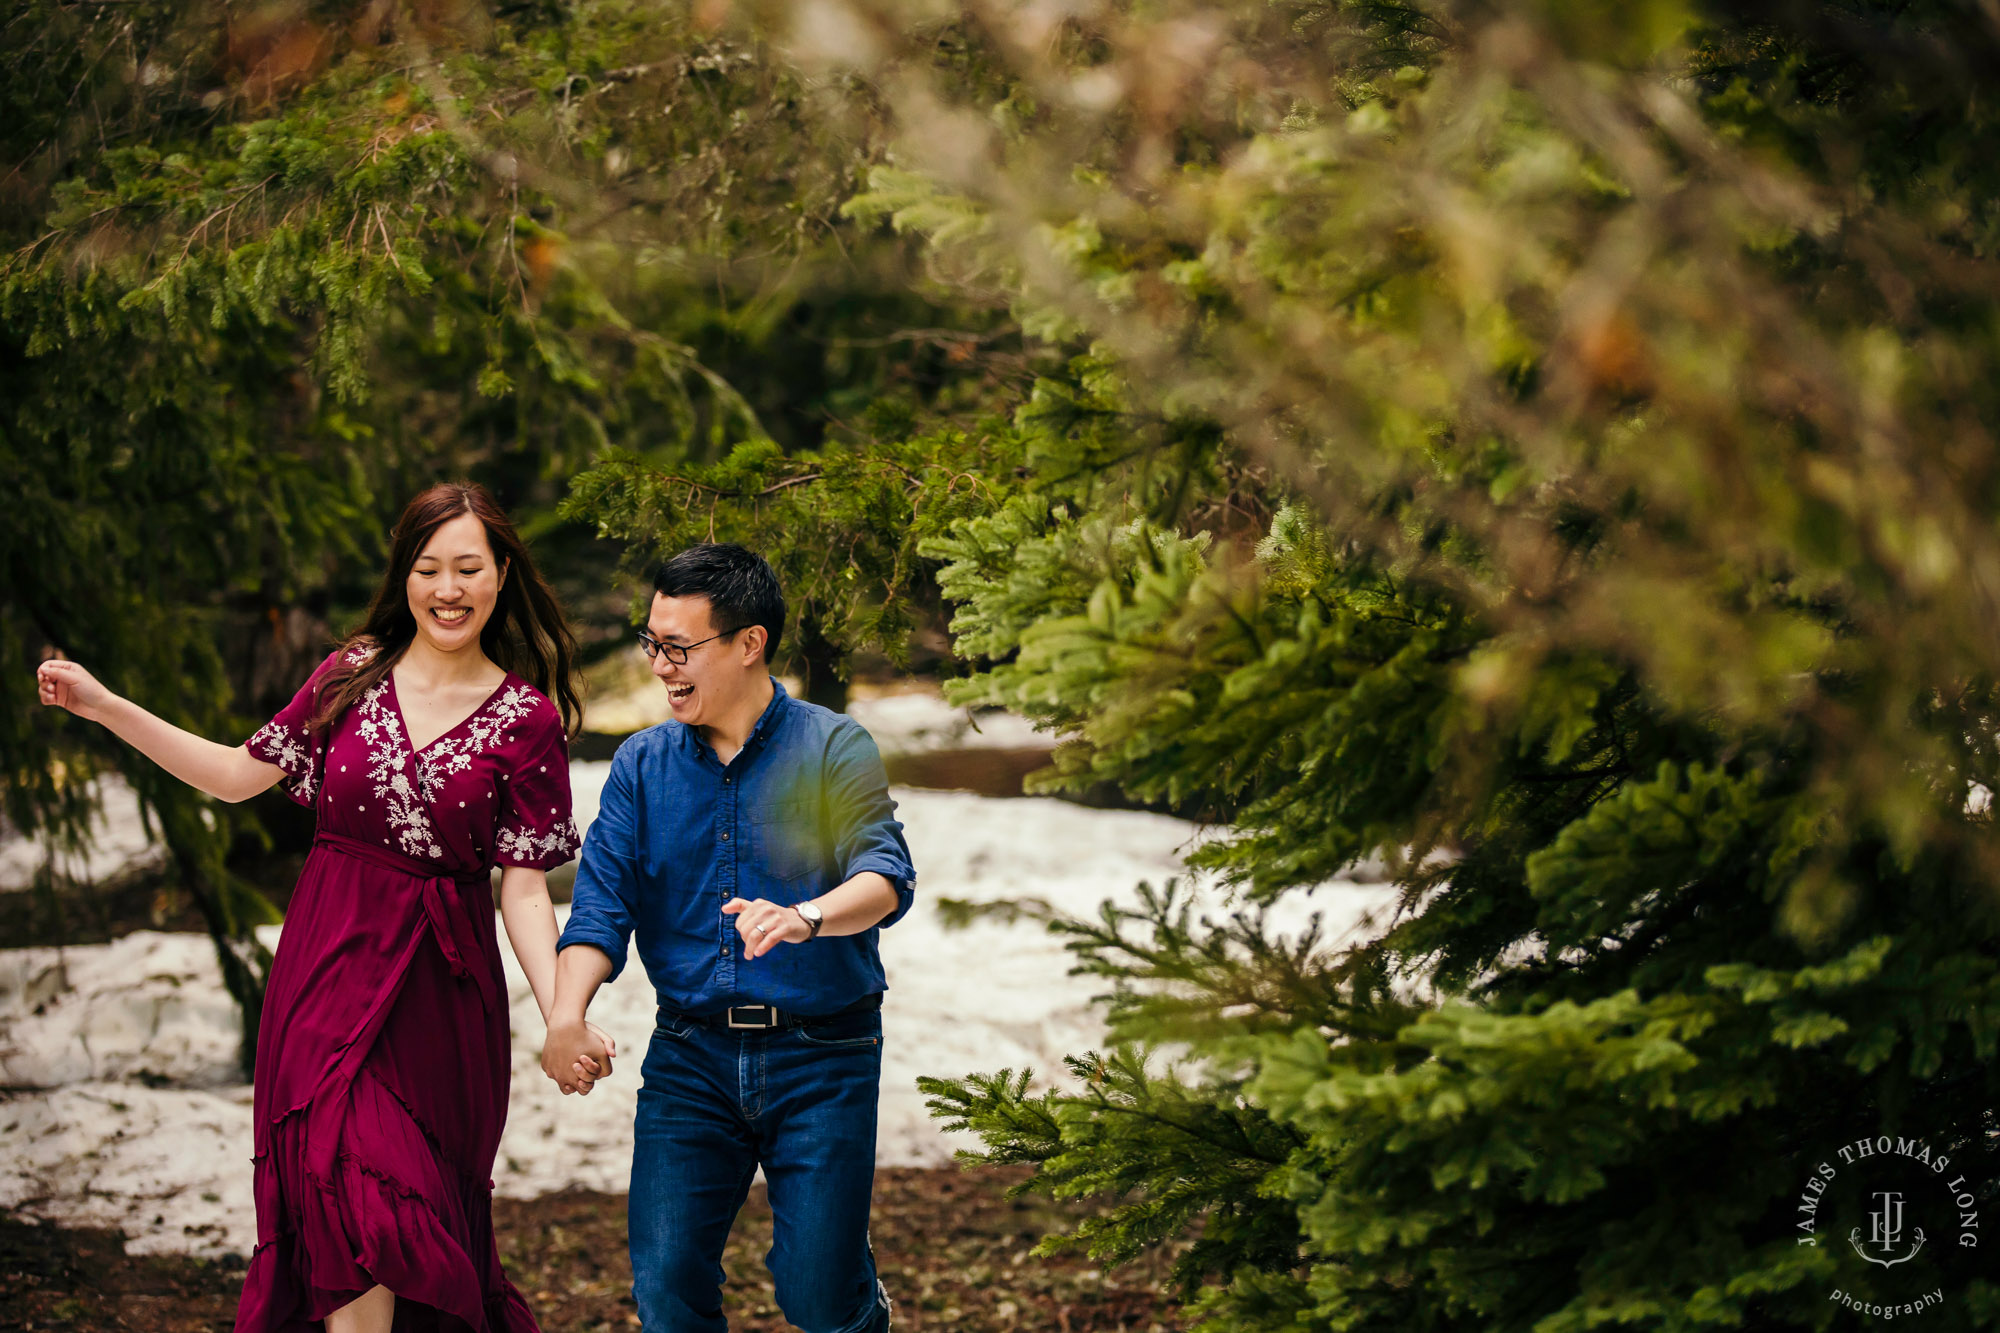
x=785 y=839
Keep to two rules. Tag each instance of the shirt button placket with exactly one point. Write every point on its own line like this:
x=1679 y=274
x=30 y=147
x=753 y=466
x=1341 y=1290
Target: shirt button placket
x=727 y=809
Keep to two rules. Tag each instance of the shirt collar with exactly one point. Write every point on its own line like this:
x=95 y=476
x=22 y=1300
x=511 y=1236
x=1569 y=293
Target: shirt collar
x=766 y=720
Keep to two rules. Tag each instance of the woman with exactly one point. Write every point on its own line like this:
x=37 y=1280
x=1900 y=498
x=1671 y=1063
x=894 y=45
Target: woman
x=382 y=1060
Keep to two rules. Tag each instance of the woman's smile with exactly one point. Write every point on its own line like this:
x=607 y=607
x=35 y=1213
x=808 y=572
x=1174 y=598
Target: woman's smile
x=456 y=562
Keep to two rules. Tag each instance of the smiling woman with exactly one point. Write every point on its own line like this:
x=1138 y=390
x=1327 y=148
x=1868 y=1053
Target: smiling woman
x=432 y=746
x=459 y=580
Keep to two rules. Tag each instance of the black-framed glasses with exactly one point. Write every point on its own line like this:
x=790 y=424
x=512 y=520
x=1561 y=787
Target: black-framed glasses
x=677 y=653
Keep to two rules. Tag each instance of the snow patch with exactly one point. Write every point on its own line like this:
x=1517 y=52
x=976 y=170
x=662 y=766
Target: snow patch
x=169 y=1168
x=918 y=721
x=128 y=1048
x=119 y=844
x=149 y=1008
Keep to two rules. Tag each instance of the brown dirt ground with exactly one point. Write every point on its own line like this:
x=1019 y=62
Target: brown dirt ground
x=952 y=1248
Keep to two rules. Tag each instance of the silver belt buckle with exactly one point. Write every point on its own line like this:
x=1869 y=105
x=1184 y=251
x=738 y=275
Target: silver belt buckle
x=770 y=1016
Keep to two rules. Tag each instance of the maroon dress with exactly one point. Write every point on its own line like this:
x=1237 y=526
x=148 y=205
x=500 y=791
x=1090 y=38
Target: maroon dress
x=382 y=1060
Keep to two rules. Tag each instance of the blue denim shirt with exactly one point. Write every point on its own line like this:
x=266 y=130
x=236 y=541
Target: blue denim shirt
x=805 y=806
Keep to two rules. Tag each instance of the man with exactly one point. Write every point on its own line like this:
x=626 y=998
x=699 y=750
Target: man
x=751 y=843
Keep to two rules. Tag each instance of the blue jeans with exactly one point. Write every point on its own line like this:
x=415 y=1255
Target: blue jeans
x=716 y=1104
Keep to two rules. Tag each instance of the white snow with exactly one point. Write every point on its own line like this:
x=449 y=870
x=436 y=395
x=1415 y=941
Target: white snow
x=168 y=1167
x=120 y=844
x=148 y=1008
x=913 y=719
x=131 y=1118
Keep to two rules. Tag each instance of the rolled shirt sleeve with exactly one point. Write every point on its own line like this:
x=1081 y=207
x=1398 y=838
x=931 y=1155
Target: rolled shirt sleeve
x=867 y=835
x=604 y=901
x=802 y=807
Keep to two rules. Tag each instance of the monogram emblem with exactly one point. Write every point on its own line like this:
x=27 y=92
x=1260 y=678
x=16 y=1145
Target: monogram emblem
x=1885 y=1231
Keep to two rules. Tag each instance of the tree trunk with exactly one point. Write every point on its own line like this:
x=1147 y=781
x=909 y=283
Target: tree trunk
x=819 y=664
x=228 y=907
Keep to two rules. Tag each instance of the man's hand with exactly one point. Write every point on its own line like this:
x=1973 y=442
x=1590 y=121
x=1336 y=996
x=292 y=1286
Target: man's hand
x=764 y=925
x=576 y=1054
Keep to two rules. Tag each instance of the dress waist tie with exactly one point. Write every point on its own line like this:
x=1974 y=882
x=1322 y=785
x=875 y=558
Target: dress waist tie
x=432 y=891
x=328 y=1104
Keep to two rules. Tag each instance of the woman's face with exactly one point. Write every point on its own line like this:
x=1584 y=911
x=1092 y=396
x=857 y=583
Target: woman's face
x=454 y=585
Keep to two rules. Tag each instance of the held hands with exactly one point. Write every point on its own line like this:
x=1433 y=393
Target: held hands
x=764 y=925
x=576 y=1054
x=64 y=684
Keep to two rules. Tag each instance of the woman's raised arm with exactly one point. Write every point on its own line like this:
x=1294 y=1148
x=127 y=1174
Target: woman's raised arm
x=226 y=772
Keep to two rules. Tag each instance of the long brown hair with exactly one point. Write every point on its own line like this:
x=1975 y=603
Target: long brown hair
x=526 y=634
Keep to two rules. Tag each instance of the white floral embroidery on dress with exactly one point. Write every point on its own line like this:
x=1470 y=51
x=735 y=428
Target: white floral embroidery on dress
x=382 y=730
x=359 y=654
x=524 y=844
x=274 y=744
x=454 y=754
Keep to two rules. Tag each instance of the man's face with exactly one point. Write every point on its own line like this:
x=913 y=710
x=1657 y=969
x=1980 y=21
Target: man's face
x=718 y=674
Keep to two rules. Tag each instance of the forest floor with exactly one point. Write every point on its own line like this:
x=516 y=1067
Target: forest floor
x=952 y=1249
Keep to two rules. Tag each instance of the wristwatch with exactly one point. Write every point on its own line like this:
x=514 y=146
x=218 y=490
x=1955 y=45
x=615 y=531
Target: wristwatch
x=812 y=916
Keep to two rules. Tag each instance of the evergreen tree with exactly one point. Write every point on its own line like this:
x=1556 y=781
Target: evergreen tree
x=1549 y=447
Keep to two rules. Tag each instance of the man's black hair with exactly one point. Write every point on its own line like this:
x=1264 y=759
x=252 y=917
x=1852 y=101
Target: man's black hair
x=740 y=587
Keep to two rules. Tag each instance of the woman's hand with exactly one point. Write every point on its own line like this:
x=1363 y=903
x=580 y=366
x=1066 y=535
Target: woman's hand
x=64 y=684
x=226 y=772
x=576 y=1054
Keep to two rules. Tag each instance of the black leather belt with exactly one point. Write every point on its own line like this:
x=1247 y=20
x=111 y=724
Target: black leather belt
x=769 y=1018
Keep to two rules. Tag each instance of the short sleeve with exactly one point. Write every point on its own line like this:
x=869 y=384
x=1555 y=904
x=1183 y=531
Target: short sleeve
x=536 y=829
x=284 y=740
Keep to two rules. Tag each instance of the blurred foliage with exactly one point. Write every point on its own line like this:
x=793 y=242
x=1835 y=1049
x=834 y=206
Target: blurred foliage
x=1546 y=447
